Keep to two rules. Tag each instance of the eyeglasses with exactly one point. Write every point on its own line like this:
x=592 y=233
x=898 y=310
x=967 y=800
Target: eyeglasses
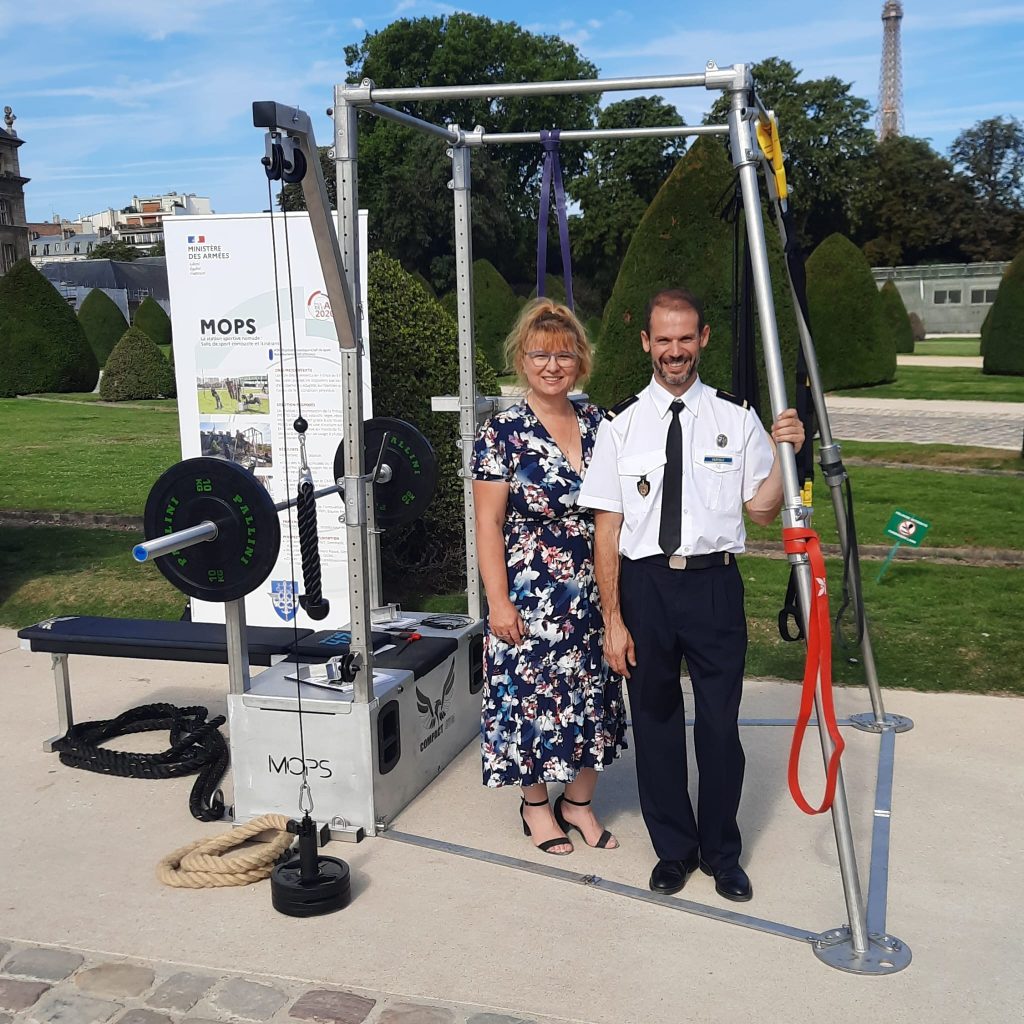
x=541 y=359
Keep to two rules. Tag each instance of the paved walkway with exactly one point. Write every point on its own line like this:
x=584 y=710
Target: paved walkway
x=907 y=359
x=923 y=421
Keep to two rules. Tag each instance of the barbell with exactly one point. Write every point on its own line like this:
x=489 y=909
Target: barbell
x=213 y=529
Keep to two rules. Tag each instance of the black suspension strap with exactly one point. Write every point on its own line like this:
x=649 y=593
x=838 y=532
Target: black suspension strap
x=552 y=174
x=197 y=745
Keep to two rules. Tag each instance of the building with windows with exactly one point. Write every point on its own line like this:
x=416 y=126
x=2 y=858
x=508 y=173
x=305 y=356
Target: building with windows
x=950 y=298
x=13 y=229
x=126 y=283
x=62 y=247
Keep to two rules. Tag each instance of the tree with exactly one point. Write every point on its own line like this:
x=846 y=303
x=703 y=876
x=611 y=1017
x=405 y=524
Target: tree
x=682 y=240
x=895 y=321
x=825 y=134
x=845 y=309
x=121 y=251
x=136 y=369
x=1003 y=335
x=103 y=323
x=42 y=344
x=157 y=249
x=621 y=179
x=151 y=319
x=913 y=207
x=403 y=173
x=991 y=155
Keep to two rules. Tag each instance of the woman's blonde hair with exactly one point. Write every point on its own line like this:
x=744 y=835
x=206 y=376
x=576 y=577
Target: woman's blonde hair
x=547 y=323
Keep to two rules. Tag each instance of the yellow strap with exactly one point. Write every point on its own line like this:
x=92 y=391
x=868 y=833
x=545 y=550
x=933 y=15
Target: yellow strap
x=771 y=146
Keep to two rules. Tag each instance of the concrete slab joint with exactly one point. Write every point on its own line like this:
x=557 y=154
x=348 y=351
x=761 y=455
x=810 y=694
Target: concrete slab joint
x=332 y=1007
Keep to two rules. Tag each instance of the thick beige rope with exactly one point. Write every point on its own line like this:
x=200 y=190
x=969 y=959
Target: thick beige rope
x=200 y=865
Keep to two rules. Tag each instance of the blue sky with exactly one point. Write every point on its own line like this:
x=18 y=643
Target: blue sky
x=123 y=97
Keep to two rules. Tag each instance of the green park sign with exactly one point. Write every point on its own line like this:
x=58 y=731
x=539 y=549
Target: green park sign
x=907 y=529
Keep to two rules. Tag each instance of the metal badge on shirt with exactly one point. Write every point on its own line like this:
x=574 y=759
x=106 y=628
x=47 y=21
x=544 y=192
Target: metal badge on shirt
x=721 y=440
x=643 y=487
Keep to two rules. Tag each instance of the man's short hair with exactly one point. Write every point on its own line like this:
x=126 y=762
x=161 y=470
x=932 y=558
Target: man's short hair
x=674 y=298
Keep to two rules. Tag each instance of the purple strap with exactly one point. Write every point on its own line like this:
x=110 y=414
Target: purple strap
x=553 y=171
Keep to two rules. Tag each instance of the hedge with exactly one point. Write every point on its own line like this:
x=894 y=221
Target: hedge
x=917 y=328
x=895 y=321
x=43 y=346
x=136 y=369
x=414 y=355
x=846 y=317
x=1003 y=341
x=151 y=318
x=682 y=240
x=103 y=322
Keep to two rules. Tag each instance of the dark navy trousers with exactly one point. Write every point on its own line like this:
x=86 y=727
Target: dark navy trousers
x=694 y=615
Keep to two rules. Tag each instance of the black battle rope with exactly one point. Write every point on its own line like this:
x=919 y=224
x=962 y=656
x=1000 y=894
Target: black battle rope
x=196 y=746
x=309 y=550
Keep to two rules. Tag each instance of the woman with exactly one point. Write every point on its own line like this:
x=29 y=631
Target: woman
x=552 y=712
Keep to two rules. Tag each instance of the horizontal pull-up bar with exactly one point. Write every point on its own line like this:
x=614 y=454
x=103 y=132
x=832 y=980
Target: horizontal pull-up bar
x=447 y=92
x=584 y=135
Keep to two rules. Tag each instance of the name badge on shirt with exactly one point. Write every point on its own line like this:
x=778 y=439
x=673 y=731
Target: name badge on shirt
x=712 y=459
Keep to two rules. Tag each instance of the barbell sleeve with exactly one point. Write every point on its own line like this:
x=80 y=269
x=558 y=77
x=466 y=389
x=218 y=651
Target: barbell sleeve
x=169 y=542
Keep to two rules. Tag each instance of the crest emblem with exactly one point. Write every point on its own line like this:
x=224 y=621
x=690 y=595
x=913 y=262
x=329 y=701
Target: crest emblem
x=721 y=440
x=436 y=710
x=284 y=598
x=643 y=487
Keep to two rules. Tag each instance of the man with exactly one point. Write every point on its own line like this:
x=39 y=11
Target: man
x=672 y=470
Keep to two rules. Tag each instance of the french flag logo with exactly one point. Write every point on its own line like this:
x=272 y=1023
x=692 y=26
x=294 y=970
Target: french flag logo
x=196 y=239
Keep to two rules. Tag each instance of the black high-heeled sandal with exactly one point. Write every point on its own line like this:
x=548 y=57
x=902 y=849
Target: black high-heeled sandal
x=548 y=844
x=564 y=824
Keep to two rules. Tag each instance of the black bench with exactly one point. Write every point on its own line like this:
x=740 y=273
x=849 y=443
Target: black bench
x=158 y=639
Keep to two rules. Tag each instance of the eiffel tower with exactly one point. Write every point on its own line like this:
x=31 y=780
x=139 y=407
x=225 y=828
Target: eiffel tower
x=890 y=80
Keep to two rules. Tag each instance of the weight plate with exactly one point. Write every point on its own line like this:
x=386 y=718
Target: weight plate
x=407 y=493
x=249 y=530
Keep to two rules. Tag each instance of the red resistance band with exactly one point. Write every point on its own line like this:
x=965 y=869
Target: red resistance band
x=799 y=540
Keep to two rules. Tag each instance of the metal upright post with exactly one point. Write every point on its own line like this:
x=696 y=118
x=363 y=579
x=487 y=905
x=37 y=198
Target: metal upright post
x=461 y=185
x=834 y=473
x=362 y=554
x=238 y=647
x=846 y=948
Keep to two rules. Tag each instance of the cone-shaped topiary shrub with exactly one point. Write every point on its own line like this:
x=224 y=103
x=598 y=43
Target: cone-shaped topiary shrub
x=103 y=322
x=846 y=317
x=683 y=241
x=496 y=309
x=895 y=321
x=1003 y=340
x=917 y=328
x=136 y=369
x=151 y=318
x=44 y=347
x=414 y=356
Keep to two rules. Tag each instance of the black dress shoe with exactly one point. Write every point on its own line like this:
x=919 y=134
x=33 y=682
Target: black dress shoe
x=669 y=876
x=731 y=882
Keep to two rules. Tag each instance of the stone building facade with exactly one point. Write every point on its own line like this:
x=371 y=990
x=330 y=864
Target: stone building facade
x=13 y=227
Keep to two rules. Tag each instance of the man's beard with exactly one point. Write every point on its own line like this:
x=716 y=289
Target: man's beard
x=687 y=372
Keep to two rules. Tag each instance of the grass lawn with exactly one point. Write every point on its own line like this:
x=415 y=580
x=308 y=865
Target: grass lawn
x=228 y=405
x=937 y=455
x=965 y=511
x=967 y=346
x=958 y=382
x=932 y=627
x=84 y=457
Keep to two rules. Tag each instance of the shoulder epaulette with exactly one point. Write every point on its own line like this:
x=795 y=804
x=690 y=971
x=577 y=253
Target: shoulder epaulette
x=732 y=398
x=614 y=411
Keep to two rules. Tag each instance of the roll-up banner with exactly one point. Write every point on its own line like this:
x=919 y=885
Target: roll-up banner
x=247 y=349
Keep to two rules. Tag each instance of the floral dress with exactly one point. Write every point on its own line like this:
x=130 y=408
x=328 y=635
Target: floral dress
x=551 y=705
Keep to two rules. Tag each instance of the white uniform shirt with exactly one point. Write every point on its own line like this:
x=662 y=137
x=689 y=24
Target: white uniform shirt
x=726 y=455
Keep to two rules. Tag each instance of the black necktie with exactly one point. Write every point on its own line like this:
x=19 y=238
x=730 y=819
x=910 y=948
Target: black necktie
x=672 y=486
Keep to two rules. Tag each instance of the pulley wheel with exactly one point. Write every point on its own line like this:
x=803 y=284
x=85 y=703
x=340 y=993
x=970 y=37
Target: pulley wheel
x=331 y=889
x=245 y=549
x=408 y=472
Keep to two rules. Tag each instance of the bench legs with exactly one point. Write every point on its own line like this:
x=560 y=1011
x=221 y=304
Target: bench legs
x=62 y=685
